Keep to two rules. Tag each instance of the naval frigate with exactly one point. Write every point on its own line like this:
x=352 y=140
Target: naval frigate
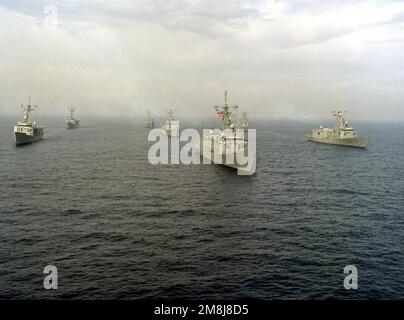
x=26 y=131
x=244 y=122
x=170 y=126
x=341 y=134
x=227 y=147
x=149 y=121
x=72 y=122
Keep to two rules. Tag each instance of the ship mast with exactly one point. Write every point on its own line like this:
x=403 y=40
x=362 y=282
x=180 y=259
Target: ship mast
x=27 y=111
x=149 y=118
x=341 y=122
x=170 y=113
x=71 y=111
x=225 y=113
x=244 y=122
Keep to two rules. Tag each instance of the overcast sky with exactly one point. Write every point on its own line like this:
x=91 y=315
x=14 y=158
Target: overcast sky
x=277 y=59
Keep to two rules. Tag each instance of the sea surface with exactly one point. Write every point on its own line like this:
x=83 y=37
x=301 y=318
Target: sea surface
x=88 y=202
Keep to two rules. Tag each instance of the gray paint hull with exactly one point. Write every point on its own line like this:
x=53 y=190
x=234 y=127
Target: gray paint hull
x=22 y=138
x=242 y=169
x=357 y=142
x=71 y=125
x=247 y=169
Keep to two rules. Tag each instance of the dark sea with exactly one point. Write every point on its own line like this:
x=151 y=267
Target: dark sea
x=88 y=202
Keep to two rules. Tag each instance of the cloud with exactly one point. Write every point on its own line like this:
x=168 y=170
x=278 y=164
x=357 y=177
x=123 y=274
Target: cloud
x=277 y=58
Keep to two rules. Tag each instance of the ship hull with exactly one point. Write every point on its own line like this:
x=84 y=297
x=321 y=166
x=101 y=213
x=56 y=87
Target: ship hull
x=72 y=125
x=248 y=169
x=23 y=139
x=242 y=169
x=149 y=124
x=357 y=142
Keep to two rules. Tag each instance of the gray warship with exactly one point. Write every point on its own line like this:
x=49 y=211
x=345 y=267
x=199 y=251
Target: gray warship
x=244 y=122
x=26 y=131
x=341 y=134
x=227 y=144
x=170 y=126
x=149 y=121
x=72 y=122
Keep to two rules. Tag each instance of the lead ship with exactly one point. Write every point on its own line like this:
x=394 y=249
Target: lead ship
x=170 y=126
x=26 y=131
x=341 y=134
x=149 y=121
x=228 y=144
x=72 y=122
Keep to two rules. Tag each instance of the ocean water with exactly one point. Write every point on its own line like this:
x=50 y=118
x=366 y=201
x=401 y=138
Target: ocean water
x=117 y=227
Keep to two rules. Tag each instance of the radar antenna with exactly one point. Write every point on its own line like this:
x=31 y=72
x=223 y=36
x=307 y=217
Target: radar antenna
x=27 y=110
x=224 y=112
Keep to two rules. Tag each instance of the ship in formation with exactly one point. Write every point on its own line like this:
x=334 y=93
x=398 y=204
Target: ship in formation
x=228 y=143
x=170 y=127
x=72 y=122
x=341 y=134
x=27 y=131
x=149 y=121
x=229 y=146
x=244 y=122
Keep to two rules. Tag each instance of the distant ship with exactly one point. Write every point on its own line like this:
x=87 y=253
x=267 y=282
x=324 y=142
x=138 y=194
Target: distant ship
x=244 y=123
x=149 y=121
x=72 y=122
x=26 y=131
x=228 y=144
x=170 y=126
x=341 y=134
